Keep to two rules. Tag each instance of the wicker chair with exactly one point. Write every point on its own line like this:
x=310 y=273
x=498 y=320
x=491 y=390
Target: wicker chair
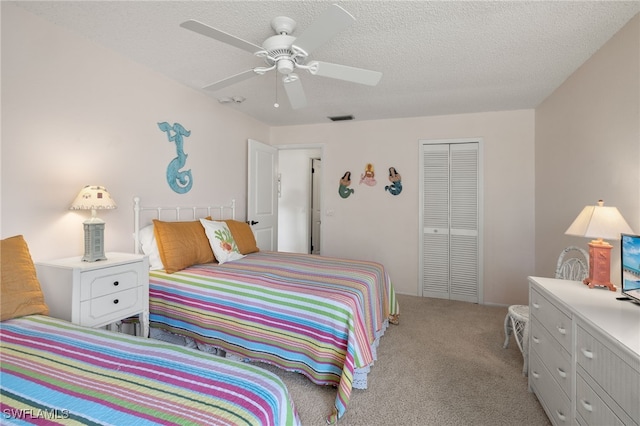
x=573 y=264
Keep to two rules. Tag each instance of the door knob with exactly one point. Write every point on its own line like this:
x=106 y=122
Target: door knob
x=253 y=222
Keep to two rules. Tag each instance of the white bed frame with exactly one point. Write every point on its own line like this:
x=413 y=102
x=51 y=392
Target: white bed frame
x=144 y=215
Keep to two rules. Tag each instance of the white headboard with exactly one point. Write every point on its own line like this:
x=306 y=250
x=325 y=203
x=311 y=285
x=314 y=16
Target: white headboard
x=144 y=216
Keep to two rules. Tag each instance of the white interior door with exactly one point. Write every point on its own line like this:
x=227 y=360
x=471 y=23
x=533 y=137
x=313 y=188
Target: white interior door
x=316 y=221
x=262 y=194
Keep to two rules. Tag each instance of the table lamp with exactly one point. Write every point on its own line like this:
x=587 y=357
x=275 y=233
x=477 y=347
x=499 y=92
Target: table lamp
x=93 y=198
x=600 y=223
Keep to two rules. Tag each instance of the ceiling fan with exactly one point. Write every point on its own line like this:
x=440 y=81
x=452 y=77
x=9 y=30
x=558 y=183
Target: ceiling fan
x=286 y=53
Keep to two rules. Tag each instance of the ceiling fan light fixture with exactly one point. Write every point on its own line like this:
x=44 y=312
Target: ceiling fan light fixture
x=286 y=66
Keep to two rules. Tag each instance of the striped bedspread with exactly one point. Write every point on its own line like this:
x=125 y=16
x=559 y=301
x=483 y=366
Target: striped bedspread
x=54 y=372
x=316 y=315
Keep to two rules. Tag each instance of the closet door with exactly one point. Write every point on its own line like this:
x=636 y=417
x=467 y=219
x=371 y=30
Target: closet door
x=450 y=221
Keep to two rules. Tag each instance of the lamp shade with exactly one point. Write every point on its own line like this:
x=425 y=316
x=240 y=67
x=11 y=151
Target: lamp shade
x=93 y=197
x=599 y=222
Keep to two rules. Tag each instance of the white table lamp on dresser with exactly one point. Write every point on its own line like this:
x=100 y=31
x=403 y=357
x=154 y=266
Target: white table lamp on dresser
x=584 y=359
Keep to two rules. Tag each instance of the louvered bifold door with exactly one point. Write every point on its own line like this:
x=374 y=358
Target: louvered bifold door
x=463 y=211
x=435 y=236
x=450 y=243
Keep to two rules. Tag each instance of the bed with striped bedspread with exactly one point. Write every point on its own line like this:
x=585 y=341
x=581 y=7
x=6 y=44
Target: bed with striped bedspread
x=320 y=316
x=54 y=372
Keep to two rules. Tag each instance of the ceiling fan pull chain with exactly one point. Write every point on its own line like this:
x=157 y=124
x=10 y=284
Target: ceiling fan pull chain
x=276 y=105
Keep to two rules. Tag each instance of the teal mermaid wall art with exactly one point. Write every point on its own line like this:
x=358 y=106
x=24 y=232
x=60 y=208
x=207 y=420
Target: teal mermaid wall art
x=396 y=182
x=344 y=189
x=180 y=181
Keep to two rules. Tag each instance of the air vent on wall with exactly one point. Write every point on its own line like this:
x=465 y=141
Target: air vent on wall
x=341 y=118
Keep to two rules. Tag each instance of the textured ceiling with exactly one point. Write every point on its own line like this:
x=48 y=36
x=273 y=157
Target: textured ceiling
x=437 y=57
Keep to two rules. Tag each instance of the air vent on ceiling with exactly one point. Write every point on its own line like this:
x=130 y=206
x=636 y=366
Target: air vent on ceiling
x=341 y=118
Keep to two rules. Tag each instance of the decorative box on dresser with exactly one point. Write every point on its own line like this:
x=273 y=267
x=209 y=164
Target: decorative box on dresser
x=96 y=294
x=584 y=353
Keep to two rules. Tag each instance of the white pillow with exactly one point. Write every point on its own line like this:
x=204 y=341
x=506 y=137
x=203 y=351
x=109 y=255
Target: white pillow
x=222 y=243
x=150 y=248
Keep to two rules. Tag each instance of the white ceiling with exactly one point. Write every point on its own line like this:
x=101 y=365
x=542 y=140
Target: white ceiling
x=437 y=57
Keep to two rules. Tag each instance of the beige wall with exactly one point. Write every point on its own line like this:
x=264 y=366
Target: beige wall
x=588 y=147
x=74 y=113
x=372 y=224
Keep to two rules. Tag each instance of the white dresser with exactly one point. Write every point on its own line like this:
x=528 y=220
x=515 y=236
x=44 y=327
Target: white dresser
x=95 y=294
x=584 y=353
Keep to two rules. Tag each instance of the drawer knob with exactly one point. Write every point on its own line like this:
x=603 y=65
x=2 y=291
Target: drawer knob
x=587 y=353
x=561 y=416
x=562 y=373
x=116 y=283
x=561 y=330
x=535 y=339
x=535 y=305
x=116 y=301
x=587 y=406
x=535 y=374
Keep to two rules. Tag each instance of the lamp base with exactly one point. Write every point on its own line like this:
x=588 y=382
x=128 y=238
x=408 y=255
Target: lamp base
x=599 y=265
x=93 y=241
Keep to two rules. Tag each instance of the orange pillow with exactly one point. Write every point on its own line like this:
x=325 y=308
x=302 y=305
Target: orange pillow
x=182 y=244
x=243 y=235
x=20 y=291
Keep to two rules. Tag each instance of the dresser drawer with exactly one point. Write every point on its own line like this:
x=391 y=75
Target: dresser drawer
x=556 y=359
x=102 y=310
x=591 y=408
x=618 y=377
x=556 y=321
x=555 y=402
x=100 y=282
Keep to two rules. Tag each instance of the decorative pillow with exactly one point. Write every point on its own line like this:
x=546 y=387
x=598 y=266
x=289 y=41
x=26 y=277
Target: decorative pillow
x=181 y=244
x=150 y=247
x=221 y=240
x=20 y=291
x=243 y=234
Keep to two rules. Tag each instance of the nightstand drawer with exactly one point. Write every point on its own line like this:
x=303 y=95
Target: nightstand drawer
x=101 y=282
x=557 y=323
x=99 y=310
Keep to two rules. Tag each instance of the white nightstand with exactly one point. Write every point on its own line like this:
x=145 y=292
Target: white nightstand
x=95 y=294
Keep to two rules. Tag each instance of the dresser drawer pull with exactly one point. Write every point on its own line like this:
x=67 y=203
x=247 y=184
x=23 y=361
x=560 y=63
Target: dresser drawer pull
x=116 y=283
x=535 y=374
x=561 y=416
x=535 y=305
x=587 y=353
x=116 y=301
x=587 y=406
x=535 y=339
x=562 y=373
x=561 y=329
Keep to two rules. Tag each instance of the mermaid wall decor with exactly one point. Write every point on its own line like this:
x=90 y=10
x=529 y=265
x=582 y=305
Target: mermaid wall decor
x=180 y=181
x=368 y=177
x=344 y=189
x=396 y=182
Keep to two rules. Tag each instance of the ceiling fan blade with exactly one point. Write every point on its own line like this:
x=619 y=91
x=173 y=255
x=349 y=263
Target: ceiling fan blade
x=245 y=75
x=216 y=34
x=295 y=92
x=330 y=23
x=344 y=72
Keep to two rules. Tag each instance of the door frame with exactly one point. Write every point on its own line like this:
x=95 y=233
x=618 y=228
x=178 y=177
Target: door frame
x=321 y=148
x=480 y=143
